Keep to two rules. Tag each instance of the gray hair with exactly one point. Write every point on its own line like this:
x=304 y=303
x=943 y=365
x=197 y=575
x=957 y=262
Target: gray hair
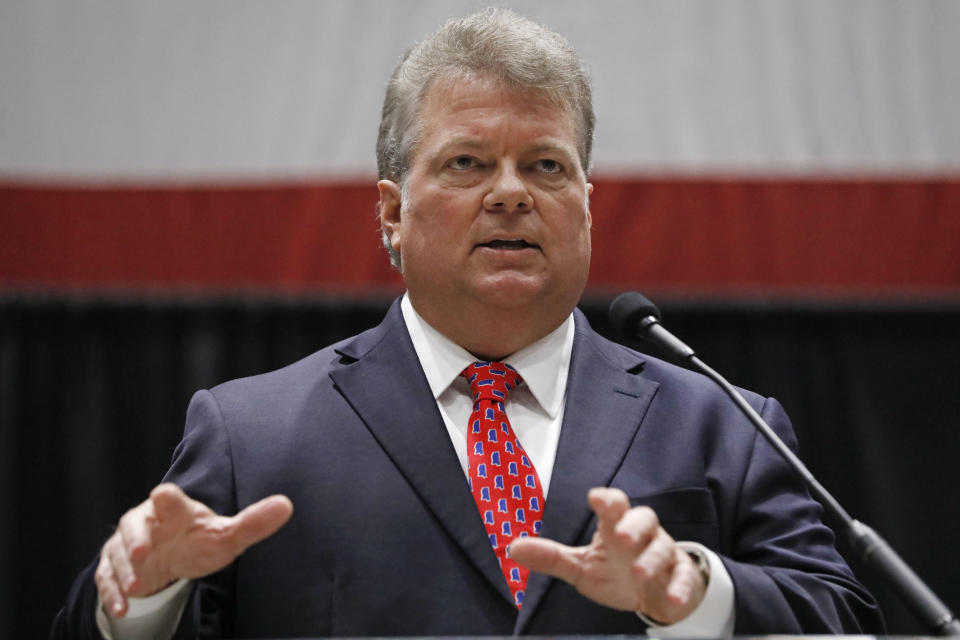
x=498 y=42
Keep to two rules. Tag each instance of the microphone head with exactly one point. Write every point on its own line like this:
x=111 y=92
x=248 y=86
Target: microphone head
x=628 y=309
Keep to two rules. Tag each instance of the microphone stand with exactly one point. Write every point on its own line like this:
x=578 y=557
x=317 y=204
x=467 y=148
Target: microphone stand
x=873 y=550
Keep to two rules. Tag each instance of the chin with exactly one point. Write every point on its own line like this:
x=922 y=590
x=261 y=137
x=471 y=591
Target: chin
x=512 y=290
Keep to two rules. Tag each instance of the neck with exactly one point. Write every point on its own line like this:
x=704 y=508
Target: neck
x=492 y=334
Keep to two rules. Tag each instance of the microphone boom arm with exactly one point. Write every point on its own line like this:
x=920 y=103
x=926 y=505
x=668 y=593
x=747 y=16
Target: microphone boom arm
x=873 y=550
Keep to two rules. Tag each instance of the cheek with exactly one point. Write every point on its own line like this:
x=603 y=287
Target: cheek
x=573 y=216
x=577 y=237
x=444 y=215
x=429 y=228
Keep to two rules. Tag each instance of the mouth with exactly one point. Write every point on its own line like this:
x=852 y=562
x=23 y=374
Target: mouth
x=509 y=244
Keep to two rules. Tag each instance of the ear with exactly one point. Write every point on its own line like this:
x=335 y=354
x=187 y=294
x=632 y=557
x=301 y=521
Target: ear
x=589 y=215
x=389 y=211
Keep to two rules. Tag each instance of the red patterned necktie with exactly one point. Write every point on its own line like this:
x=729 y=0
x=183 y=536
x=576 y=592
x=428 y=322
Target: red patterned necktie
x=502 y=479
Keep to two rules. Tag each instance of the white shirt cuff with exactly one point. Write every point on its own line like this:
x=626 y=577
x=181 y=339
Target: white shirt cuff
x=714 y=616
x=155 y=616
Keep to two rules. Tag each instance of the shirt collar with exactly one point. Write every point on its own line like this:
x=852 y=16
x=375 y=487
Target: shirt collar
x=543 y=365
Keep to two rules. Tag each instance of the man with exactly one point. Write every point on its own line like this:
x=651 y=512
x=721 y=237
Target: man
x=422 y=496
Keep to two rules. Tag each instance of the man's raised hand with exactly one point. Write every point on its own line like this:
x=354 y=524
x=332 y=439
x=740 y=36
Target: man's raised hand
x=631 y=564
x=170 y=536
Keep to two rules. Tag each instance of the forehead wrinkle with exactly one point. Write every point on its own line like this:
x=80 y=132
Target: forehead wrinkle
x=466 y=141
x=451 y=94
x=446 y=92
x=480 y=143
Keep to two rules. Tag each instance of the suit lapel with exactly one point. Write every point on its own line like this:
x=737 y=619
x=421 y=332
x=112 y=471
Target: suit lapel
x=605 y=404
x=386 y=386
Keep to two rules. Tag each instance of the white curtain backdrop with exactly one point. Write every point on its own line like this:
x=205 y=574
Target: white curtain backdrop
x=130 y=90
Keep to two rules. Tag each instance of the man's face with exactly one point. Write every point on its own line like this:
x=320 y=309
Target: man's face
x=495 y=206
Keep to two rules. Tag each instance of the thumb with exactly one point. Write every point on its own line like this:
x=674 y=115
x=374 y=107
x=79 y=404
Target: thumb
x=169 y=502
x=260 y=520
x=547 y=556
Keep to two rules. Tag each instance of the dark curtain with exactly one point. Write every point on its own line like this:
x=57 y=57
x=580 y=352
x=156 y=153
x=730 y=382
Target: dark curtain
x=93 y=393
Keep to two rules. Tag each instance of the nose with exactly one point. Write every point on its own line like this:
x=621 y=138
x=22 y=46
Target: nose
x=508 y=192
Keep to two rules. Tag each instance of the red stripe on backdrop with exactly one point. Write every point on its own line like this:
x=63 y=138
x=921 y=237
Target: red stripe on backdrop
x=196 y=237
x=782 y=235
x=796 y=235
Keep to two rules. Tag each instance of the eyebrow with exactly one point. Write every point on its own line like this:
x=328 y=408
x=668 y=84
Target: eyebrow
x=548 y=147
x=471 y=143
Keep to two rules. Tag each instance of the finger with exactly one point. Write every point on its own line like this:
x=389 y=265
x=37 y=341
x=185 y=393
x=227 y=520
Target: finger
x=258 y=521
x=609 y=504
x=548 y=556
x=134 y=531
x=170 y=503
x=658 y=558
x=123 y=572
x=685 y=580
x=636 y=529
x=109 y=591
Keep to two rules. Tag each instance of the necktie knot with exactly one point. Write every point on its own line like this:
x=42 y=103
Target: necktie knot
x=491 y=380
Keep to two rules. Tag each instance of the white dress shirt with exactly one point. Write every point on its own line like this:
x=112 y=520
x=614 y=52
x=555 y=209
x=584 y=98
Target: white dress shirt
x=536 y=414
x=535 y=408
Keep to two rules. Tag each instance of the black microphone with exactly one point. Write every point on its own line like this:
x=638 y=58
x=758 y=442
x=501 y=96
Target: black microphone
x=633 y=315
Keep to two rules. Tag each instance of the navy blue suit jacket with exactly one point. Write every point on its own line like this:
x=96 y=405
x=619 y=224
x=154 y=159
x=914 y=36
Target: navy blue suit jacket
x=386 y=539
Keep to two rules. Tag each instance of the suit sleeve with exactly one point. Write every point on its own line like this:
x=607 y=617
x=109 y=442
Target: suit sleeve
x=787 y=575
x=202 y=467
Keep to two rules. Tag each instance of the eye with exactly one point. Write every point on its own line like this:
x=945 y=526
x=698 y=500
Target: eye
x=462 y=163
x=548 y=165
